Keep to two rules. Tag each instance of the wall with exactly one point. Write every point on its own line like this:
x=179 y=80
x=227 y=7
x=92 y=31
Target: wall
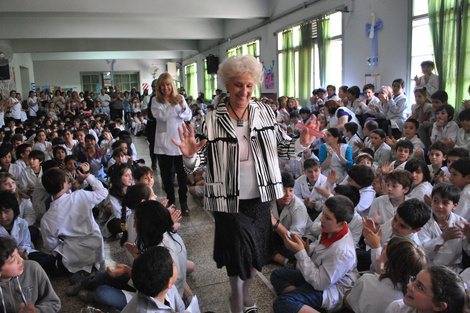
x=392 y=39
x=21 y=60
x=69 y=75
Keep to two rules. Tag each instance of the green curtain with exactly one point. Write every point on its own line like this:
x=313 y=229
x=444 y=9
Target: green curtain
x=252 y=48
x=288 y=64
x=305 y=63
x=448 y=21
x=209 y=84
x=323 y=48
x=191 y=81
x=239 y=50
x=230 y=53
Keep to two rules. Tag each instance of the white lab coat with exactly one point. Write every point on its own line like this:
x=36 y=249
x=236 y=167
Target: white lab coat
x=69 y=229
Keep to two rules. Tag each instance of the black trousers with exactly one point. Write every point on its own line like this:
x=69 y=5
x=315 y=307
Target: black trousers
x=151 y=128
x=167 y=163
x=116 y=113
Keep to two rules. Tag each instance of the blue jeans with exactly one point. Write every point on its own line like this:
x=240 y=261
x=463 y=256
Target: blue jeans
x=293 y=301
x=107 y=290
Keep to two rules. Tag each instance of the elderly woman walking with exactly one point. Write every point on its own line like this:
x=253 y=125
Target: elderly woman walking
x=240 y=143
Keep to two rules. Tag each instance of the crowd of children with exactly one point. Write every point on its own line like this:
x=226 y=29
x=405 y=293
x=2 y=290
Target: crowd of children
x=374 y=217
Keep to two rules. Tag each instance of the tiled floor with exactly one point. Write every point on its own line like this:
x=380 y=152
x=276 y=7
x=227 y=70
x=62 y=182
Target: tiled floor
x=207 y=282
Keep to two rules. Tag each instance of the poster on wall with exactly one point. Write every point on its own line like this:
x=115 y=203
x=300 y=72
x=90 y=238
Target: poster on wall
x=8 y=85
x=269 y=80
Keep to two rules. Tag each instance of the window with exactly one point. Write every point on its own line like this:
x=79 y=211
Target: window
x=191 y=79
x=421 y=42
x=126 y=81
x=251 y=48
x=210 y=84
x=91 y=82
x=321 y=55
x=177 y=81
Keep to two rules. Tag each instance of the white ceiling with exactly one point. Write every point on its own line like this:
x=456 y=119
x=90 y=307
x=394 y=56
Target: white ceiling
x=119 y=29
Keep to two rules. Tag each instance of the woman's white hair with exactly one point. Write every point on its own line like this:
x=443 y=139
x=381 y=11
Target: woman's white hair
x=237 y=65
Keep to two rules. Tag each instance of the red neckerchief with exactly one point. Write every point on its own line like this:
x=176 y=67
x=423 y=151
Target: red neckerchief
x=329 y=241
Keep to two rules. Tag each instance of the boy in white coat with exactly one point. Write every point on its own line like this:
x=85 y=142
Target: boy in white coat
x=444 y=235
x=304 y=187
x=291 y=212
x=68 y=227
x=327 y=268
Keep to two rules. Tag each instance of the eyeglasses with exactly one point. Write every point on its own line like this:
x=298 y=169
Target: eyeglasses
x=417 y=286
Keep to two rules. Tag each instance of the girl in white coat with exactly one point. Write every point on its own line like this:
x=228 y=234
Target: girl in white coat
x=436 y=289
x=421 y=185
x=402 y=258
x=335 y=155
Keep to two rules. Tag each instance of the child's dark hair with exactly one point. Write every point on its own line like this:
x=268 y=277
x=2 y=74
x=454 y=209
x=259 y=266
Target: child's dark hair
x=53 y=180
x=117 y=152
x=332 y=87
x=309 y=163
x=7 y=247
x=54 y=151
x=400 y=81
x=414 y=164
x=414 y=121
x=371 y=125
x=335 y=132
x=288 y=180
x=21 y=149
x=355 y=91
x=368 y=87
x=363 y=175
x=458 y=152
x=447 y=191
x=405 y=259
x=440 y=95
x=439 y=146
x=401 y=177
x=38 y=155
x=152 y=271
x=427 y=63
x=57 y=141
x=341 y=207
x=351 y=127
x=71 y=157
x=49 y=164
x=153 y=220
x=343 y=88
x=305 y=110
x=449 y=288
x=414 y=213
x=464 y=115
x=380 y=132
x=134 y=195
x=16 y=137
x=116 y=189
x=350 y=192
x=90 y=137
x=449 y=109
x=8 y=200
x=461 y=166
x=364 y=155
x=4 y=150
x=294 y=113
x=406 y=144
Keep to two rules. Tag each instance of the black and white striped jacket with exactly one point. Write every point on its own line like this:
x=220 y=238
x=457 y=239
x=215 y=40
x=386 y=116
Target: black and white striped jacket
x=221 y=156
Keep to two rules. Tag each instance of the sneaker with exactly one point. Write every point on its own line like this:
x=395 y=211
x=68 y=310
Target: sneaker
x=78 y=277
x=85 y=296
x=291 y=264
x=250 y=309
x=74 y=289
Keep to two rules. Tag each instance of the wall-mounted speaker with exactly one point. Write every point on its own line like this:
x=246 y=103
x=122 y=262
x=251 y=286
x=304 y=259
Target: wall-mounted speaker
x=5 y=72
x=212 y=64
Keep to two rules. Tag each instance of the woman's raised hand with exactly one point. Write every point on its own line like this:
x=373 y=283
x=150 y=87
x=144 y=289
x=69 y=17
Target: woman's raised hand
x=306 y=138
x=188 y=144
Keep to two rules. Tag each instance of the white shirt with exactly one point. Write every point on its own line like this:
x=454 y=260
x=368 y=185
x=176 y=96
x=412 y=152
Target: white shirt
x=448 y=131
x=463 y=209
x=293 y=217
x=69 y=228
x=169 y=119
x=331 y=269
x=302 y=191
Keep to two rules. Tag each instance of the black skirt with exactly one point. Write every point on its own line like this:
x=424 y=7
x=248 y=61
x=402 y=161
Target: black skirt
x=243 y=240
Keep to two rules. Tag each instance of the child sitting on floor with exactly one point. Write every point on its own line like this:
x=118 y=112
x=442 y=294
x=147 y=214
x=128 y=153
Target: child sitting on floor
x=327 y=268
